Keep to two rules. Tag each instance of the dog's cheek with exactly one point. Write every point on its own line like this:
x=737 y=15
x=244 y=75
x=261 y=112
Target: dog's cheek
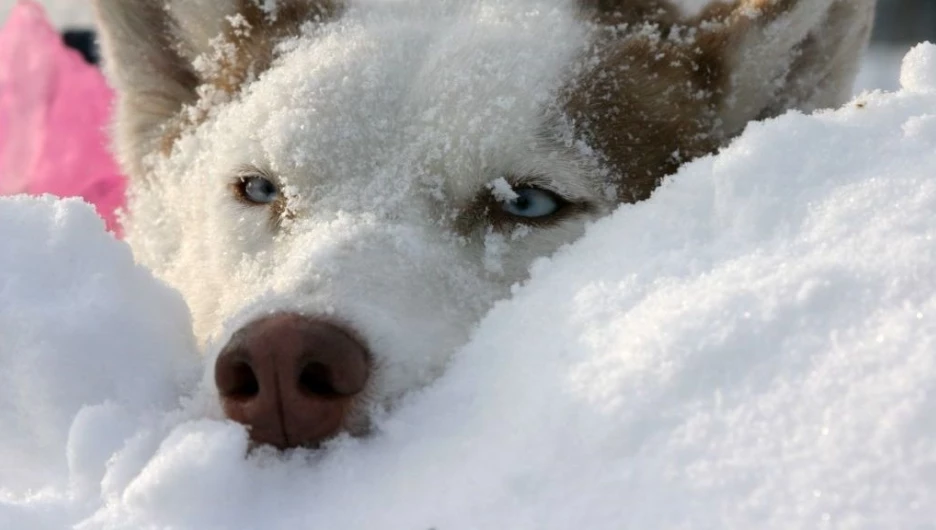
x=226 y=259
x=508 y=255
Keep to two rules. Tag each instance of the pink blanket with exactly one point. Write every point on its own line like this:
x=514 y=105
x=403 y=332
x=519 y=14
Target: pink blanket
x=54 y=110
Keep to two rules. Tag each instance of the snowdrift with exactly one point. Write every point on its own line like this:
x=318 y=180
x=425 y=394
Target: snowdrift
x=753 y=347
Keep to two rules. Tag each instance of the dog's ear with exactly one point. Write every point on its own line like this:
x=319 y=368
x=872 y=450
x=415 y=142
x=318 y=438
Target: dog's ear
x=168 y=59
x=777 y=55
x=662 y=88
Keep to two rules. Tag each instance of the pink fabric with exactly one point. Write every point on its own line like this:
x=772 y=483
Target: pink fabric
x=54 y=110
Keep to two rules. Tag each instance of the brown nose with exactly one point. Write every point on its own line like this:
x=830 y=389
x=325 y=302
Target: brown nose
x=290 y=379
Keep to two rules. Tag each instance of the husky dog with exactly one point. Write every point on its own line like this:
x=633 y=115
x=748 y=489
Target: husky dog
x=341 y=189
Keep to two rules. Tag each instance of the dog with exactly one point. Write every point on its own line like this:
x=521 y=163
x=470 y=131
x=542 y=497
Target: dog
x=341 y=189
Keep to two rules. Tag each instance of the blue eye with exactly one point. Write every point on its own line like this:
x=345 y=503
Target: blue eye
x=257 y=190
x=533 y=203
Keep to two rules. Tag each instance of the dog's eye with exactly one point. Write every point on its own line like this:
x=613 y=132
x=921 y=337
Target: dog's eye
x=503 y=206
x=257 y=190
x=533 y=203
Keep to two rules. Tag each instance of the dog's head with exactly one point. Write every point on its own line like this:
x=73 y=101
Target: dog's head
x=342 y=189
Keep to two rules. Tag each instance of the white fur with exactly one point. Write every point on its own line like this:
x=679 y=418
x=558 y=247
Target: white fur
x=380 y=127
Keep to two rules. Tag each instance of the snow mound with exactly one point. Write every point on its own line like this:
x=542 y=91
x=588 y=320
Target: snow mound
x=753 y=347
x=88 y=337
x=919 y=69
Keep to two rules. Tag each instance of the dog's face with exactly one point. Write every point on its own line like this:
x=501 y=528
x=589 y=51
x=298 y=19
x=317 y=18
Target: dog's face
x=341 y=191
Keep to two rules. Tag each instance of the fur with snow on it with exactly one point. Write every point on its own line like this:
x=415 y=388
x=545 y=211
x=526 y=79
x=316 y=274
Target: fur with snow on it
x=384 y=125
x=750 y=348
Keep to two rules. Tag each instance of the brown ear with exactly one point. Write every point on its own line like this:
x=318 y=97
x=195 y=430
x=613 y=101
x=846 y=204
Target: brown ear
x=163 y=56
x=662 y=90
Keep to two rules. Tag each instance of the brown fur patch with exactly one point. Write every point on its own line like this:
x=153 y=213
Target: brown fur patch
x=650 y=102
x=617 y=12
x=647 y=125
x=253 y=41
x=739 y=18
x=255 y=45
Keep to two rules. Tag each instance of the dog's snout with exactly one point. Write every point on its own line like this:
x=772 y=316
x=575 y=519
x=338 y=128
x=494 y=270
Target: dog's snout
x=291 y=379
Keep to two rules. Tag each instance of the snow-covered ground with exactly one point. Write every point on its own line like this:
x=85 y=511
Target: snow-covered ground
x=753 y=347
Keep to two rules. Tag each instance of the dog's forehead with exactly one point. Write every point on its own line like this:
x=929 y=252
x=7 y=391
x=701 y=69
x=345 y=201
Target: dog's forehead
x=394 y=93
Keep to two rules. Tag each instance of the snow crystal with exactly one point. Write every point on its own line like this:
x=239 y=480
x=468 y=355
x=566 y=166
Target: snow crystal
x=502 y=190
x=750 y=348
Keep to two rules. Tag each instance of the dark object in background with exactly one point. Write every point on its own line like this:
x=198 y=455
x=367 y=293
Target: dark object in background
x=84 y=41
x=905 y=21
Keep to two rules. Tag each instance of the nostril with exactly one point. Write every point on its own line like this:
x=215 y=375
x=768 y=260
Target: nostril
x=239 y=381
x=291 y=379
x=316 y=379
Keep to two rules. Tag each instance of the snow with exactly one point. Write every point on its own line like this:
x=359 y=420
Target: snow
x=88 y=337
x=753 y=347
x=919 y=74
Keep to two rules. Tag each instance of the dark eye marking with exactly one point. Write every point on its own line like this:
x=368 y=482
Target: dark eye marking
x=255 y=189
